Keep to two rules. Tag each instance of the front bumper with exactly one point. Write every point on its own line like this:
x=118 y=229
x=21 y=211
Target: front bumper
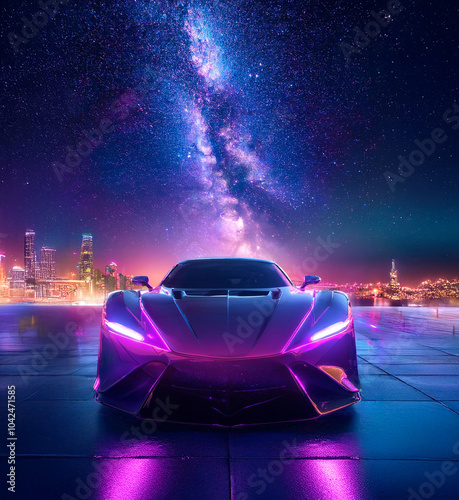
x=228 y=392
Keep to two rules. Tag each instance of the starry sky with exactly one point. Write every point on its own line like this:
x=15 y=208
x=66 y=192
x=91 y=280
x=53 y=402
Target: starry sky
x=180 y=129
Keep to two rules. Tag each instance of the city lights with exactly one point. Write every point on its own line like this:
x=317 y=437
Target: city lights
x=37 y=281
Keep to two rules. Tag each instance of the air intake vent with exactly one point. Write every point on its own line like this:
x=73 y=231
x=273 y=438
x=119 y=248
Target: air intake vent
x=249 y=293
x=178 y=294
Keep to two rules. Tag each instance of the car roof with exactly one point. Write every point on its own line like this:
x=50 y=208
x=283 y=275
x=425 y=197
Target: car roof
x=226 y=259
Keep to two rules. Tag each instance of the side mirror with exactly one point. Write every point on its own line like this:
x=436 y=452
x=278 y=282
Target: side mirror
x=310 y=280
x=142 y=280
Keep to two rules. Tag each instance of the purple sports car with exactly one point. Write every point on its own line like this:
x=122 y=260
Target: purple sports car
x=227 y=341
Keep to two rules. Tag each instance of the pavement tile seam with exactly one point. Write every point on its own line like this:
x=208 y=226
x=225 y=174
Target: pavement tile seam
x=49 y=375
x=453 y=363
x=402 y=352
x=354 y=459
x=68 y=400
x=445 y=352
x=424 y=375
x=409 y=385
x=33 y=394
x=449 y=408
x=254 y=457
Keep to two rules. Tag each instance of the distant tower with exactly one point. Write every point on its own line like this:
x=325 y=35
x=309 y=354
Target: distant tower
x=86 y=258
x=29 y=254
x=17 y=282
x=2 y=268
x=393 y=282
x=111 y=277
x=3 y=282
x=38 y=274
x=125 y=282
x=48 y=263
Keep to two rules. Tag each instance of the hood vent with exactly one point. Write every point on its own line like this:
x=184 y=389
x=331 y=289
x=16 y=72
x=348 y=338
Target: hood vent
x=178 y=294
x=206 y=293
x=249 y=293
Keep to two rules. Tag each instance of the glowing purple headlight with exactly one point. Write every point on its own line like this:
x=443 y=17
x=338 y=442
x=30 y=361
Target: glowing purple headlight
x=331 y=330
x=120 y=329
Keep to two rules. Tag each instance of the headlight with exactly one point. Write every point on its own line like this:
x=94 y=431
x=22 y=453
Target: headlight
x=325 y=333
x=120 y=329
x=149 y=339
x=331 y=330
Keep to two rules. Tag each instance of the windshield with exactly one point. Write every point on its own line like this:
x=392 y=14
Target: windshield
x=225 y=274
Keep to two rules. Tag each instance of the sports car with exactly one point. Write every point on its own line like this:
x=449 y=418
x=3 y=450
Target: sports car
x=227 y=341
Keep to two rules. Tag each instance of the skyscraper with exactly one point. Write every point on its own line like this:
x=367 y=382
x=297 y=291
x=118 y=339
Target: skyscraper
x=29 y=254
x=393 y=279
x=86 y=258
x=17 y=282
x=3 y=283
x=2 y=268
x=48 y=263
x=111 y=277
x=125 y=282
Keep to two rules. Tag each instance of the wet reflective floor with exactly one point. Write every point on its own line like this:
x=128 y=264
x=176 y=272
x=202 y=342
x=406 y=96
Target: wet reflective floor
x=400 y=442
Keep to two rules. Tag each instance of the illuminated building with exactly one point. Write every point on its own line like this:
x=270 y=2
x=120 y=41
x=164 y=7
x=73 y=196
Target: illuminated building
x=3 y=282
x=125 y=282
x=111 y=278
x=2 y=268
x=29 y=256
x=47 y=263
x=393 y=279
x=17 y=281
x=45 y=273
x=38 y=273
x=98 y=283
x=86 y=259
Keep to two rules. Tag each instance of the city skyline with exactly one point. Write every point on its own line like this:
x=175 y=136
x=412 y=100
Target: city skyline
x=62 y=267
x=38 y=279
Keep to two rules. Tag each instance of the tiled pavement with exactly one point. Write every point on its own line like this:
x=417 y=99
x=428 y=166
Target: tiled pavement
x=400 y=442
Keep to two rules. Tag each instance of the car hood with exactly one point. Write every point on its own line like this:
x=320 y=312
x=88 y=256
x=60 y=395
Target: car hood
x=227 y=324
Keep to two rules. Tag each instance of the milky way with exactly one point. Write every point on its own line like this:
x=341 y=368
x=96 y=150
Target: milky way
x=221 y=169
x=237 y=190
x=220 y=155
